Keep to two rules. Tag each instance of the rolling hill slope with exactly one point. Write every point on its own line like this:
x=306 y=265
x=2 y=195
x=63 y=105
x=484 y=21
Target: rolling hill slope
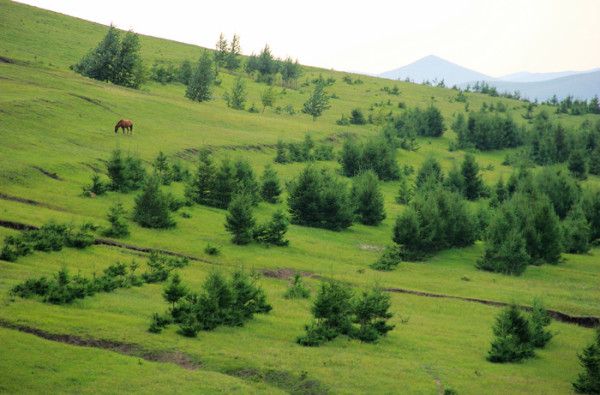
x=56 y=131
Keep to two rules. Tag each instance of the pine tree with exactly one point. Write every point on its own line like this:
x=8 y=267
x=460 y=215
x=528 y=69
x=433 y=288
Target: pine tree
x=240 y=220
x=371 y=314
x=200 y=86
x=368 y=199
x=236 y=99
x=224 y=185
x=430 y=172
x=174 y=290
x=591 y=208
x=118 y=223
x=594 y=164
x=473 y=184
x=576 y=231
x=512 y=341
x=317 y=102
x=588 y=381
x=540 y=319
x=162 y=168
x=350 y=158
x=129 y=68
x=232 y=60
x=405 y=190
x=246 y=181
x=273 y=232
x=117 y=171
x=152 y=207
x=578 y=164
x=281 y=156
x=221 y=52
x=267 y=98
x=201 y=187
x=270 y=188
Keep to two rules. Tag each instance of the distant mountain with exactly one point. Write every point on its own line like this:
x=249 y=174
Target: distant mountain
x=526 y=76
x=432 y=68
x=580 y=86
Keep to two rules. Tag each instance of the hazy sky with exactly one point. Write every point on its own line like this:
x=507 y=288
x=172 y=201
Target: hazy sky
x=493 y=37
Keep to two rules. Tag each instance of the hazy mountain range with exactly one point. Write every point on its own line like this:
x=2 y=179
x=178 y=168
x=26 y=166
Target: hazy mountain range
x=541 y=86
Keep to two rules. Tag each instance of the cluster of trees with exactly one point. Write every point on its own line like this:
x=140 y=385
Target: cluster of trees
x=417 y=122
x=240 y=222
x=539 y=217
x=486 y=131
x=227 y=54
x=572 y=106
x=517 y=336
x=375 y=154
x=305 y=151
x=269 y=69
x=337 y=311
x=50 y=237
x=356 y=118
x=63 y=288
x=220 y=302
x=167 y=73
x=114 y=60
x=215 y=186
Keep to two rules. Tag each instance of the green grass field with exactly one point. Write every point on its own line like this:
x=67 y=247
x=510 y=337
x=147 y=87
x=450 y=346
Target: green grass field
x=61 y=122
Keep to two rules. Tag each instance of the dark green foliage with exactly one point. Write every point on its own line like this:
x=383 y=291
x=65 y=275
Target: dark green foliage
x=224 y=186
x=588 y=381
x=200 y=85
x=126 y=174
x=576 y=232
x=152 y=207
x=317 y=102
x=332 y=310
x=184 y=73
x=357 y=117
x=220 y=302
x=375 y=154
x=158 y=323
x=488 y=131
x=562 y=190
x=513 y=339
x=389 y=259
x=430 y=173
x=236 y=99
x=591 y=208
x=539 y=320
x=436 y=219
x=368 y=199
x=316 y=198
x=371 y=314
x=174 y=290
x=265 y=66
x=162 y=169
x=118 y=223
x=306 y=151
x=96 y=188
x=240 y=219
x=578 y=164
x=200 y=186
x=290 y=72
x=473 y=186
x=212 y=250
x=114 y=60
x=267 y=98
x=500 y=193
x=417 y=122
x=296 y=289
x=405 y=191
x=273 y=232
x=160 y=265
x=270 y=187
x=335 y=311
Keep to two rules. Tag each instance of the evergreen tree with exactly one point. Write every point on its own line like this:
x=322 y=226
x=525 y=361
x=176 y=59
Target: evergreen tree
x=368 y=199
x=473 y=184
x=591 y=208
x=500 y=193
x=290 y=72
x=129 y=69
x=435 y=122
x=201 y=187
x=540 y=319
x=184 y=74
x=224 y=185
x=576 y=231
x=273 y=232
x=118 y=223
x=430 y=172
x=246 y=181
x=578 y=164
x=221 y=51
x=200 y=86
x=405 y=191
x=371 y=314
x=267 y=98
x=562 y=190
x=297 y=290
x=174 y=290
x=455 y=181
x=350 y=158
x=100 y=63
x=588 y=381
x=281 y=156
x=237 y=98
x=117 y=171
x=232 y=60
x=512 y=341
x=270 y=187
x=152 y=207
x=317 y=102
x=594 y=163
x=240 y=219
x=162 y=168
x=505 y=254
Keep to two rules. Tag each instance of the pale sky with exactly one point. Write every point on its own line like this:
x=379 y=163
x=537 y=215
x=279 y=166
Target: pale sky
x=495 y=37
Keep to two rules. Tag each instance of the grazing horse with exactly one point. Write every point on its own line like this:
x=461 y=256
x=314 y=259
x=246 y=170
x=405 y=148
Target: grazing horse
x=124 y=124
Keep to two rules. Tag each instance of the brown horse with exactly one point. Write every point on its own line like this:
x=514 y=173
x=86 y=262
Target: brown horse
x=124 y=124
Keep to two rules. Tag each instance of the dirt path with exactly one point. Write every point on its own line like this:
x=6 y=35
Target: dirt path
x=286 y=274
x=130 y=349
x=31 y=202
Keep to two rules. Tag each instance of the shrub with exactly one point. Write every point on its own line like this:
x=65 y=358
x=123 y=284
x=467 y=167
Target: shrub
x=118 y=223
x=270 y=187
x=96 y=188
x=539 y=320
x=126 y=174
x=375 y=154
x=212 y=250
x=152 y=207
x=296 y=289
x=368 y=199
x=389 y=259
x=273 y=232
x=357 y=117
x=240 y=220
x=371 y=315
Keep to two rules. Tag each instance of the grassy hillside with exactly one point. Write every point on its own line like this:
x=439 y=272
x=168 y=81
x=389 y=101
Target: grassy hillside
x=53 y=121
